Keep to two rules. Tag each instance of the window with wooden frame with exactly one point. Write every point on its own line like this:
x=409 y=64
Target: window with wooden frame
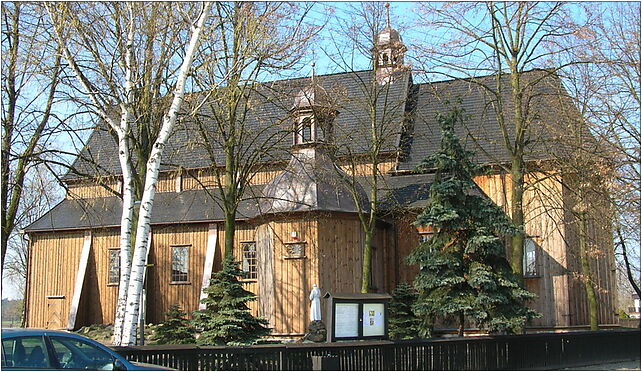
x=530 y=258
x=180 y=263
x=248 y=262
x=113 y=271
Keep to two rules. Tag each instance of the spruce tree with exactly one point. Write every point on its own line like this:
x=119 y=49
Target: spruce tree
x=464 y=272
x=176 y=329
x=227 y=320
x=403 y=323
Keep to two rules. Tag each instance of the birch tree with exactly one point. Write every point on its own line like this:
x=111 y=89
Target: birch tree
x=249 y=41
x=139 y=259
x=110 y=48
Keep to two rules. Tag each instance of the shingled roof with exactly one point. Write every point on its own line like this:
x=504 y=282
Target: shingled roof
x=170 y=207
x=480 y=131
x=195 y=206
x=268 y=113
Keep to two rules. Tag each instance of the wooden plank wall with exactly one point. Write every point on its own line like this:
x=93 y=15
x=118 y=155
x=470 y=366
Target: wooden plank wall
x=98 y=300
x=340 y=254
x=161 y=292
x=544 y=223
x=407 y=240
x=601 y=260
x=53 y=262
x=293 y=277
x=548 y=216
x=83 y=190
x=196 y=179
x=244 y=233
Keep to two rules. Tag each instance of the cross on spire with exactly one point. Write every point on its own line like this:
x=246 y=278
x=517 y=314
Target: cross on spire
x=388 y=14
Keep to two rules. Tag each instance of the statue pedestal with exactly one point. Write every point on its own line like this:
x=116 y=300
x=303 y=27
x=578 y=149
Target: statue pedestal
x=316 y=332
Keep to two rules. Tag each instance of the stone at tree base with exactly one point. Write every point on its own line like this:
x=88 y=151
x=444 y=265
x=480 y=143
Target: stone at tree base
x=316 y=332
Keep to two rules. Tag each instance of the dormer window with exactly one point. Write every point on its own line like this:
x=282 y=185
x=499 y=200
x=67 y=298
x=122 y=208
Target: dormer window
x=309 y=129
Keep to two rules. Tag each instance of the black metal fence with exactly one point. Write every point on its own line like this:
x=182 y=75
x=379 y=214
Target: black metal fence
x=531 y=351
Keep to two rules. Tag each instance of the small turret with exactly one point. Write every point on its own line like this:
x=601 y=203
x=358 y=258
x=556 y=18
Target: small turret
x=389 y=51
x=313 y=115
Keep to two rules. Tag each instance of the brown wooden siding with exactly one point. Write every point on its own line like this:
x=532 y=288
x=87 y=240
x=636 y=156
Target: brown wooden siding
x=548 y=219
x=244 y=233
x=334 y=244
x=161 y=291
x=365 y=169
x=196 y=179
x=53 y=262
x=544 y=224
x=83 y=190
x=293 y=277
x=600 y=251
x=98 y=299
x=407 y=239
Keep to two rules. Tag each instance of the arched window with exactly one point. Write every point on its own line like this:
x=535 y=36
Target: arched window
x=304 y=132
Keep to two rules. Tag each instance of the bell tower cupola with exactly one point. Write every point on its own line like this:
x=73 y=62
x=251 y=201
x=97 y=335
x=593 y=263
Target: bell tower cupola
x=389 y=51
x=313 y=116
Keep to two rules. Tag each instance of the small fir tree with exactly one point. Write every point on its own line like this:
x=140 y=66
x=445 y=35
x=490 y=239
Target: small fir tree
x=463 y=271
x=227 y=320
x=403 y=323
x=176 y=329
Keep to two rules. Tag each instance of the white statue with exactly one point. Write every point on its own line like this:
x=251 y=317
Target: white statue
x=315 y=306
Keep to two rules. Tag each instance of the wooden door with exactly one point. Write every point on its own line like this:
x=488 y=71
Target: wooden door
x=55 y=317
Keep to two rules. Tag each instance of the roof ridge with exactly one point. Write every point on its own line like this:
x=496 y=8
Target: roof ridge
x=536 y=69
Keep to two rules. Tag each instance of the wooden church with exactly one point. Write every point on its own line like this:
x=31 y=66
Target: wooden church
x=300 y=224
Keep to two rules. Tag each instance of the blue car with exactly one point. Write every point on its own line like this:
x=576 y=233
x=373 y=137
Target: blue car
x=27 y=349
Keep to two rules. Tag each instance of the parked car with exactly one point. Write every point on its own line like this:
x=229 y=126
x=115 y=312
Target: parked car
x=59 y=350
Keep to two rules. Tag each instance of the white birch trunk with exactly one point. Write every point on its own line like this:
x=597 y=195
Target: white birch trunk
x=128 y=190
x=139 y=259
x=122 y=129
x=125 y=237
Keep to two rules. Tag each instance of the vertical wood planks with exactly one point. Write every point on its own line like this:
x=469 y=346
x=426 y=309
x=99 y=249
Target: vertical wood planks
x=265 y=272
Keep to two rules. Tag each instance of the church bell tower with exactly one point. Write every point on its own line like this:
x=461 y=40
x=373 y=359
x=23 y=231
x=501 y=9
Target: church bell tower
x=389 y=52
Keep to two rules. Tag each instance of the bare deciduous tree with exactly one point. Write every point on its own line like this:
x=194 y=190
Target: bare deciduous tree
x=30 y=93
x=504 y=40
x=247 y=42
x=370 y=143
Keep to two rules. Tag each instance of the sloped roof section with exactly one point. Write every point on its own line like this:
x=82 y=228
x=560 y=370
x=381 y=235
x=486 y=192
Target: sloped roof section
x=481 y=132
x=268 y=116
x=311 y=182
x=169 y=207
